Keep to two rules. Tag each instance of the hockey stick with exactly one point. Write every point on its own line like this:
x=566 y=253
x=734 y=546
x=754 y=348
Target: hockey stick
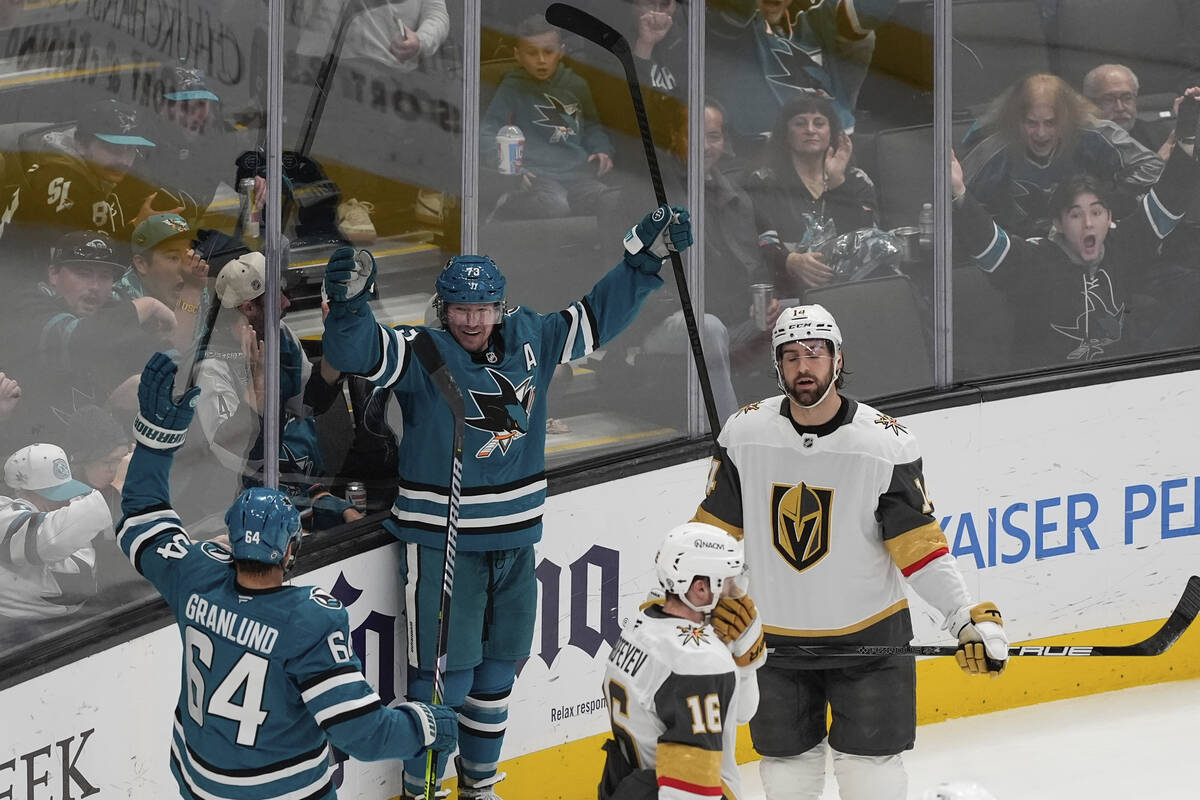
x=1157 y=644
x=584 y=24
x=427 y=352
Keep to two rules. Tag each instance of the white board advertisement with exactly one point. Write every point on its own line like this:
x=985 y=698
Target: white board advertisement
x=1072 y=511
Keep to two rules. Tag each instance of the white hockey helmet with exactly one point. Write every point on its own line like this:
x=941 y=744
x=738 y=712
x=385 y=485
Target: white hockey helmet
x=805 y=322
x=958 y=790
x=698 y=550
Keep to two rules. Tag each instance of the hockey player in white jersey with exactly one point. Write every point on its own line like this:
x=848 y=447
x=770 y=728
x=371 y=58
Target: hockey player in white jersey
x=682 y=676
x=269 y=683
x=831 y=499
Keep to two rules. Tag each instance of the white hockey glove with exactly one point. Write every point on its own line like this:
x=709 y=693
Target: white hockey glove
x=982 y=642
x=736 y=623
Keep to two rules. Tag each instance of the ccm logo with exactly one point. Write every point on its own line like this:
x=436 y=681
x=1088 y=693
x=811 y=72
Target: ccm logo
x=1062 y=650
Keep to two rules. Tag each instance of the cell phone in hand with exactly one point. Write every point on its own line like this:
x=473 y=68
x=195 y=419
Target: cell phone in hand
x=401 y=31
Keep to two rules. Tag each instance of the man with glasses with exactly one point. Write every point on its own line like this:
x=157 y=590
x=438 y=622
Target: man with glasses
x=1114 y=90
x=503 y=360
x=829 y=496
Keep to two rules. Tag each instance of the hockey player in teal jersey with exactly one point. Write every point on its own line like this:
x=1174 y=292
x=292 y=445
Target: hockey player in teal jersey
x=503 y=360
x=269 y=683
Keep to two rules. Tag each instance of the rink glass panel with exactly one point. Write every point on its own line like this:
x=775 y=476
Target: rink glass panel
x=393 y=137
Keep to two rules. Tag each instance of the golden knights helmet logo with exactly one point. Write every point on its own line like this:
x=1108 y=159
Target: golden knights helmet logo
x=800 y=523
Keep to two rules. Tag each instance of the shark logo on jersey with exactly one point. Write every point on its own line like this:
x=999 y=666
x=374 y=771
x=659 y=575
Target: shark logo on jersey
x=891 y=424
x=692 y=634
x=1100 y=323
x=560 y=117
x=504 y=414
x=798 y=67
x=800 y=523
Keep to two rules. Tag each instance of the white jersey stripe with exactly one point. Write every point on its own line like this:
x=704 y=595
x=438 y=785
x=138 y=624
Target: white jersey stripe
x=485 y=727
x=569 y=345
x=475 y=499
x=483 y=522
x=246 y=780
x=413 y=560
x=384 y=341
x=342 y=708
x=330 y=683
x=141 y=519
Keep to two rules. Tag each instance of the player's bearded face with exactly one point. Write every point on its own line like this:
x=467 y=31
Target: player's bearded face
x=471 y=324
x=807 y=368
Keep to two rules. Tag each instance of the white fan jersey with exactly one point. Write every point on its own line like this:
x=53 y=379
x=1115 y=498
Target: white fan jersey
x=833 y=516
x=675 y=699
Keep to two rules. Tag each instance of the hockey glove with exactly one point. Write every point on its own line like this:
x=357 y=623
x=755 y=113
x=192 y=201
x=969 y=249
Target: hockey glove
x=438 y=725
x=162 y=422
x=982 y=642
x=328 y=510
x=736 y=623
x=639 y=242
x=349 y=276
x=1185 y=123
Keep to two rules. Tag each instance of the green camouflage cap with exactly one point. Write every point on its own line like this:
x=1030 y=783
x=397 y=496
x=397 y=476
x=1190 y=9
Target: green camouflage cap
x=156 y=229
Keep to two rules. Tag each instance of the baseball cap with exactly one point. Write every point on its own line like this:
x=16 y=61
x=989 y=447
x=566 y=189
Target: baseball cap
x=187 y=83
x=85 y=247
x=43 y=468
x=113 y=122
x=242 y=279
x=156 y=229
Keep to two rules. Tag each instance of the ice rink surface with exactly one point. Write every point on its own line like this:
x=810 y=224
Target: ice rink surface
x=1135 y=743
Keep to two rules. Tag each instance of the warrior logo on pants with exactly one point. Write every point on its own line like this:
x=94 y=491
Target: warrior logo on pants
x=800 y=523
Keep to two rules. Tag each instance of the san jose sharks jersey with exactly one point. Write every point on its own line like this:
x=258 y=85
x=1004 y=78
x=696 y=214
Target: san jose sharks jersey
x=675 y=699
x=47 y=563
x=504 y=463
x=1016 y=189
x=269 y=682
x=833 y=518
x=1066 y=310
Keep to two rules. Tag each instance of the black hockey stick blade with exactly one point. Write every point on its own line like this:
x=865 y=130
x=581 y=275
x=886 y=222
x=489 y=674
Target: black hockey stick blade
x=584 y=24
x=1157 y=643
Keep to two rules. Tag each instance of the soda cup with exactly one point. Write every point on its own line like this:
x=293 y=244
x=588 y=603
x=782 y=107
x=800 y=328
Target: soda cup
x=510 y=144
x=761 y=293
x=356 y=493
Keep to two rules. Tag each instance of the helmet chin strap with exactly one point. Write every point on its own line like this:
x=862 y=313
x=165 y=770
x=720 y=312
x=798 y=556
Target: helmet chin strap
x=837 y=371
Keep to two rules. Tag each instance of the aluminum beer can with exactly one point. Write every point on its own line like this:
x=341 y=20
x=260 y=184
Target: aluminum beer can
x=356 y=493
x=510 y=144
x=761 y=294
x=249 y=211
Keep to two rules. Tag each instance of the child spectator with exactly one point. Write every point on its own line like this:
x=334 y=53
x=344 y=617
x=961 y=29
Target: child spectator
x=566 y=148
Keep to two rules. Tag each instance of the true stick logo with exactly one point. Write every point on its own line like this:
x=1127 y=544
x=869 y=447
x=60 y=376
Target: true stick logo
x=1053 y=650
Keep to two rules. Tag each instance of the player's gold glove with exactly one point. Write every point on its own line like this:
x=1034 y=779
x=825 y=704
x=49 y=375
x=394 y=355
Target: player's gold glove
x=982 y=642
x=735 y=621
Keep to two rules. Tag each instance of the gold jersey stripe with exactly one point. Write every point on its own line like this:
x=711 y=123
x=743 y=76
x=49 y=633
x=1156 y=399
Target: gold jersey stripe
x=712 y=519
x=914 y=546
x=689 y=763
x=855 y=628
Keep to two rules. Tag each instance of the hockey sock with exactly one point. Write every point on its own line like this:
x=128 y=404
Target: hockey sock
x=870 y=777
x=800 y=777
x=420 y=687
x=483 y=718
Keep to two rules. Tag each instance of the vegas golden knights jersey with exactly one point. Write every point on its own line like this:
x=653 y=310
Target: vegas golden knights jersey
x=675 y=699
x=833 y=517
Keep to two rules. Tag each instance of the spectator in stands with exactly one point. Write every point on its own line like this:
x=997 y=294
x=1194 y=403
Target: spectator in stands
x=732 y=262
x=47 y=565
x=98 y=449
x=1037 y=134
x=74 y=179
x=805 y=184
x=229 y=456
x=659 y=47
x=1076 y=291
x=195 y=151
x=566 y=147
x=69 y=341
x=166 y=266
x=1114 y=90
x=10 y=395
x=763 y=55
x=394 y=32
